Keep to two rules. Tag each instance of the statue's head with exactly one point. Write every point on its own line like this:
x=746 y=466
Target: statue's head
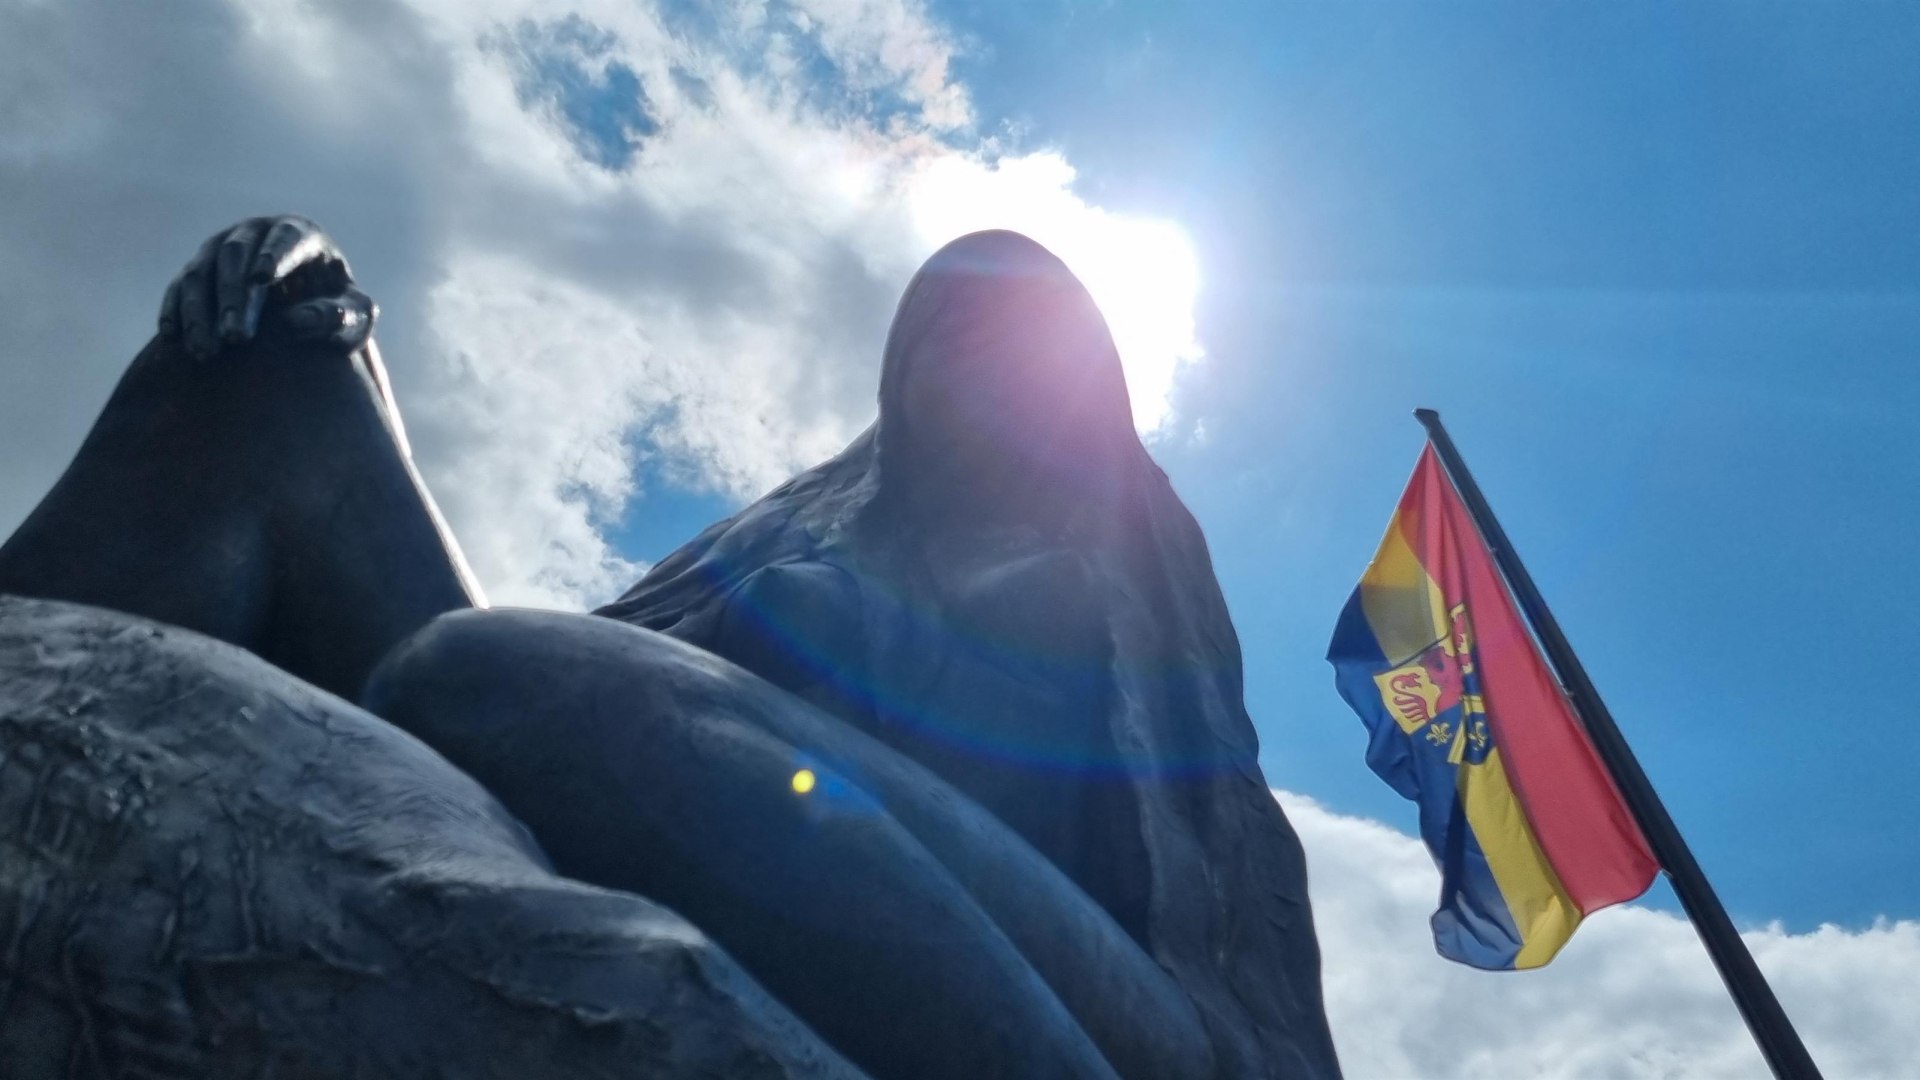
x=999 y=365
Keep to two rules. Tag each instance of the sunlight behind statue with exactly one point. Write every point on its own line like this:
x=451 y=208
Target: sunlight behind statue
x=930 y=763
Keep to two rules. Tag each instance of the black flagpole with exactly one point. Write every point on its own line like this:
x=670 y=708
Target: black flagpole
x=1779 y=1043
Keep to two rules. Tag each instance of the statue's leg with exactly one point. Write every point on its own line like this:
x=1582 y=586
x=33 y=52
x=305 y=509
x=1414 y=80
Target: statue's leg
x=912 y=929
x=263 y=497
x=211 y=869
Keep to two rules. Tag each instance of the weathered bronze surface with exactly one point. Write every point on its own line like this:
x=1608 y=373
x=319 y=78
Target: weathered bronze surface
x=931 y=763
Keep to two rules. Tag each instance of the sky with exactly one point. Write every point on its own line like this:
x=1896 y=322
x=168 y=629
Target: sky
x=1657 y=265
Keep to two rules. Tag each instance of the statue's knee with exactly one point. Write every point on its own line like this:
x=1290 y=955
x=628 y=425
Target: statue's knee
x=498 y=656
x=444 y=660
x=484 y=687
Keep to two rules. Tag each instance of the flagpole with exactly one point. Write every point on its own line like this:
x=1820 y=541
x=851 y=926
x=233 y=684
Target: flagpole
x=1779 y=1043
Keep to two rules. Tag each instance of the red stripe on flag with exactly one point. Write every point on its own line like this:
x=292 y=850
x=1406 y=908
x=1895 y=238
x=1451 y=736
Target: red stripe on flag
x=1582 y=824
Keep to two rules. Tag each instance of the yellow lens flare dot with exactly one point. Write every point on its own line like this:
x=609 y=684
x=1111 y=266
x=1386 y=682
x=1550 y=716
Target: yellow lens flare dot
x=803 y=781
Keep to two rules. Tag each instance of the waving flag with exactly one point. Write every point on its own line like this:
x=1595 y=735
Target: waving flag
x=1468 y=721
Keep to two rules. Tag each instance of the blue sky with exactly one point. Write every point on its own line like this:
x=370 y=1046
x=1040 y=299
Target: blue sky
x=1657 y=264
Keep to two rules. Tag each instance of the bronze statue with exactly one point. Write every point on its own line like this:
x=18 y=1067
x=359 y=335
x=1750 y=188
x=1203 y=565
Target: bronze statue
x=940 y=745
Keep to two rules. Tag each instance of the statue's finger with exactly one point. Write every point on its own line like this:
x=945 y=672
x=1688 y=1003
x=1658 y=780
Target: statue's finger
x=197 y=314
x=170 y=309
x=356 y=324
x=234 y=261
x=256 y=303
x=315 y=320
x=289 y=243
x=345 y=320
x=193 y=298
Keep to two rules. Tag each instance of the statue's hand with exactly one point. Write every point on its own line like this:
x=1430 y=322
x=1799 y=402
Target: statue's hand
x=282 y=269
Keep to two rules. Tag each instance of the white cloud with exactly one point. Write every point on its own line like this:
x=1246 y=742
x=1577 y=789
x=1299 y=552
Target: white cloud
x=599 y=230
x=716 y=305
x=891 y=45
x=1632 y=996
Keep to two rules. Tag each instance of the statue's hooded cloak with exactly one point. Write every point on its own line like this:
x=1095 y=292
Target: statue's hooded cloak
x=997 y=580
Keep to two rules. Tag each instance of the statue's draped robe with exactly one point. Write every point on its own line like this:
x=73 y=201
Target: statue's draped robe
x=996 y=580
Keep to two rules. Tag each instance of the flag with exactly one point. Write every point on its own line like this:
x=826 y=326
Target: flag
x=1466 y=720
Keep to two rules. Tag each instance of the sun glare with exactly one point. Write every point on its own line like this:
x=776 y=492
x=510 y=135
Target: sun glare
x=1141 y=271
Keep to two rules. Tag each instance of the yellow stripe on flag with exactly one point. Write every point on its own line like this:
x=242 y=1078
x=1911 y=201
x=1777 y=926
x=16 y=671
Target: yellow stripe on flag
x=1402 y=602
x=1540 y=908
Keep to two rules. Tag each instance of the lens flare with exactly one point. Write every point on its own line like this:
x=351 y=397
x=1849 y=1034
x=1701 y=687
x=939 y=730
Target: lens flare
x=1141 y=271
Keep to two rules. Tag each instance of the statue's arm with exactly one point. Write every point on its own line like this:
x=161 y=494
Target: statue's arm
x=247 y=477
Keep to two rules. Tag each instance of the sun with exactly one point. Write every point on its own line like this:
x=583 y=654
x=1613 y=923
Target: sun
x=1142 y=273
x=1141 y=270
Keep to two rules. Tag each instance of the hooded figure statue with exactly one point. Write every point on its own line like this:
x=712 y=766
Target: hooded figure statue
x=997 y=581
x=987 y=632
